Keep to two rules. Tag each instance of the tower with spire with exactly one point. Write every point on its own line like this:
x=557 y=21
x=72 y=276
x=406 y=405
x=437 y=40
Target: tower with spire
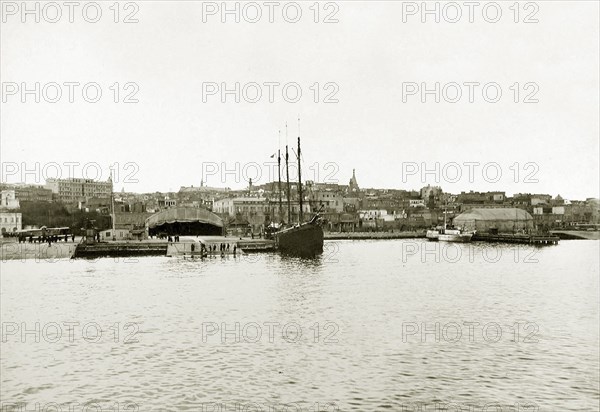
x=353 y=185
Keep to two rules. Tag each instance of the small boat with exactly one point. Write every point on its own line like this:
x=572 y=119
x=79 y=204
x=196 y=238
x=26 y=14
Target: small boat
x=451 y=234
x=433 y=234
x=455 y=235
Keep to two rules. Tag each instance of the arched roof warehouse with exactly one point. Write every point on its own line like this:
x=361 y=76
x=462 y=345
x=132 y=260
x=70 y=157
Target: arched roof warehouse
x=495 y=214
x=501 y=220
x=185 y=221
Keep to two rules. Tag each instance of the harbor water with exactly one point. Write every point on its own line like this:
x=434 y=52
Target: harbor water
x=401 y=325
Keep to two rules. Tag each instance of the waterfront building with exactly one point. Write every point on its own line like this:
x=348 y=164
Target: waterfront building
x=184 y=221
x=131 y=220
x=570 y=213
x=10 y=222
x=117 y=234
x=340 y=222
x=495 y=220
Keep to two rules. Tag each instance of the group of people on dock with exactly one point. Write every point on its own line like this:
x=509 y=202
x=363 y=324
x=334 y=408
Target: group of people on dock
x=46 y=238
x=223 y=247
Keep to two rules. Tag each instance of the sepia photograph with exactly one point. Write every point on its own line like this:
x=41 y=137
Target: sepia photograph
x=299 y=206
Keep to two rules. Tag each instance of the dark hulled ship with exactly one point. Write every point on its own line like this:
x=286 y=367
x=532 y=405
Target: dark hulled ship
x=304 y=239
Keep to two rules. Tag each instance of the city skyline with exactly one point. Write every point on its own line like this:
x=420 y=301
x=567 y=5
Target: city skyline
x=235 y=183
x=369 y=73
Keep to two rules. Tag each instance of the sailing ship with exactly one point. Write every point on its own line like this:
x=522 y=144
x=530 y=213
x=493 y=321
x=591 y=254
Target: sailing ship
x=304 y=239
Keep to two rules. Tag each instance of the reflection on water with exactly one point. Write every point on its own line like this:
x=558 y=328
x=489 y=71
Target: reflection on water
x=369 y=325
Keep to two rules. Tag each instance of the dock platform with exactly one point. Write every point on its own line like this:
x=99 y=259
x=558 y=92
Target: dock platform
x=577 y=234
x=183 y=247
x=217 y=245
x=540 y=240
x=120 y=249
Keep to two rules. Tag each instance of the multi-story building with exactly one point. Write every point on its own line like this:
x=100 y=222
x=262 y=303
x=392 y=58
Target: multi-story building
x=540 y=200
x=431 y=192
x=257 y=211
x=96 y=204
x=561 y=213
x=416 y=203
x=74 y=190
x=241 y=205
x=479 y=198
x=10 y=219
x=10 y=222
x=199 y=196
x=167 y=203
x=253 y=211
x=29 y=193
x=331 y=201
x=8 y=199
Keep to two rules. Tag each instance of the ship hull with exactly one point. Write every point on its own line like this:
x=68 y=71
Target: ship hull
x=302 y=241
x=459 y=237
x=432 y=235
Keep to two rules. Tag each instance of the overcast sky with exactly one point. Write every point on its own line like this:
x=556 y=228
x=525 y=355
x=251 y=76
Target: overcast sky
x=367 y=59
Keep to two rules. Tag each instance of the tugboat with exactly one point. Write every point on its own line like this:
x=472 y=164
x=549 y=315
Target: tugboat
x=304 y=239
x=433 y=234
x=452 y=234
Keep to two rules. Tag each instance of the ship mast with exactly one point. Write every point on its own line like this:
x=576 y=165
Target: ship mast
x=112 y=204
x=287 y=177
x=279 y=173
x=445 y=213
x=299 y=176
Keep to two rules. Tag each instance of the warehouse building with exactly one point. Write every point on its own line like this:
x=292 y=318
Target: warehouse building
x=495 y=220
x=185 y=221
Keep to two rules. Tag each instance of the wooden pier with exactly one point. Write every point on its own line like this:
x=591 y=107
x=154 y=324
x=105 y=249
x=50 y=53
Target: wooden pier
x=188 y=246
x=539 y=240
x=218 y=246
x=119 y=249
